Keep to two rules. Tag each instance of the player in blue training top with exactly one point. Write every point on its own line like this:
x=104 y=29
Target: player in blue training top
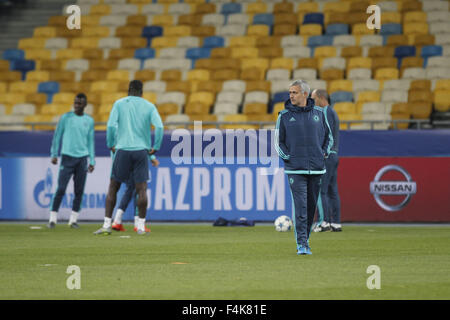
x=128 y=135
x=303 y=140
x=76 y=130
x=329 y=204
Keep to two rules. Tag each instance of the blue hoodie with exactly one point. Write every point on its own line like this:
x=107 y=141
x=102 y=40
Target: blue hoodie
x=303 y=138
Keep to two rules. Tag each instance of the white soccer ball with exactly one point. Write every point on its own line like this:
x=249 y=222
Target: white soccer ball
x=283 y=224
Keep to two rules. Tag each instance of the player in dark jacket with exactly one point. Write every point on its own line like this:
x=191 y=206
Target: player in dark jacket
x=303 y=139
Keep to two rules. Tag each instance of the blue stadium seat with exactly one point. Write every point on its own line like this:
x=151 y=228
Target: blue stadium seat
x=430 y=51
x=317 y=41
x=263 y=18
x=389 y=29
x=13 y=54
x=49 y=88
x=197 y=53
x=213 y=42
x=341 y=96
x=316 y=18
x=404 y=51
x=149 y=32
x=230 y=8
x=279 y=97
x=143 y=54
x=23 y=66
x=337 y=29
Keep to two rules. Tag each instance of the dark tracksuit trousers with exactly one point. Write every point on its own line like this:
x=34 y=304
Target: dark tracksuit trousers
x=305 y=189
x=329 y=202
x=71 y=166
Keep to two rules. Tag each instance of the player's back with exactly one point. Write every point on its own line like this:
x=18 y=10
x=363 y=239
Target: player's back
x=132 y=117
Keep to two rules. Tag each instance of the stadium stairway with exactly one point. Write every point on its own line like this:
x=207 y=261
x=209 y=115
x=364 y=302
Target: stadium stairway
x=24 y=17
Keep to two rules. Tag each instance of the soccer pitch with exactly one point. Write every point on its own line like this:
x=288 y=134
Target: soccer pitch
x=188 y=261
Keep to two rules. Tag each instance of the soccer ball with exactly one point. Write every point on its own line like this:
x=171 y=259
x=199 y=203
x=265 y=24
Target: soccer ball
x=283 y=223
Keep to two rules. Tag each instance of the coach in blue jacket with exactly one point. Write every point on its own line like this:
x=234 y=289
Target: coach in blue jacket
x=303 y=139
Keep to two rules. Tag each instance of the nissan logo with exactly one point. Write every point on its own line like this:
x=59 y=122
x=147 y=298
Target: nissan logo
x=379 y=188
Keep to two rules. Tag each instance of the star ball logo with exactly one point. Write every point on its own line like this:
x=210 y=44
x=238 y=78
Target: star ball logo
x=381 y=188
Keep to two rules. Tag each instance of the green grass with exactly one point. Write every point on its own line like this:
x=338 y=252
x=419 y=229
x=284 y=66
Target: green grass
x=224 y=263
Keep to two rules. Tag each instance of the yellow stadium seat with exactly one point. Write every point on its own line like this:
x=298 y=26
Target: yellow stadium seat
x=258 y=30
x=121 y=53
x=420 y=96
x=104 y=86
x=268 y=41
x=168 y=108
x=103 y=64
x=415 y=28
x=4 y=65
x=359 y=62
x=442 y=84
x=288 y=18
x=164 y=42
x=312 y=63
x=260 y=85
x=84 y=43
x=278 y=107
x=284 y=29
x=178 y=86
x=270 y=52
x=423 y=40
x=242 y=118
x=69 y=53
x=340 y=85
x=49 y=65
x=3 y=87
x=391 y=17
x=203 y=31
x=384 y=62
x=201 y=96
x=208 y=86
x=414 y=16
x=62 y=76
x=420 y=110
x=404 y=6
x=340 y=6
x=145 y=75
x=251 y=74
x=220 y=52
x=204 y=118
x=32 y=43
x=348 y=117
x=100 y=9
x=44 y=32
x=177 y=31
x=398 y=40
x=368 y=96
x=150 y=96
x=241 y=52
x=381 y=52
x=386 y=74
x=325 y=52
x=331 y=74
x=411 y=62
x=197 y=107
x=307 y=7
x=163 y=20
x=118 y=75
x=361 y=29
x=105 y=109
x=282 y=63
x=65 y=98
x=256 y=7
x=111 y=97
x=57 y=21
x=91 y=20
x=96 y=32
x=57 y=108
x=261 y=63
x=345 y=107
x=420 y=85
x=198 y=74
x=283 y=7
x=137 y=20
x=23 y=86
x=205 y=8
x=441 y=100
x=39 y=76
x=39 y=118
x=9 y=76
x=192 y=20
x=133 y=43
x=311 y=30
x=254 y=108
x=243 y=41
x=38 y=54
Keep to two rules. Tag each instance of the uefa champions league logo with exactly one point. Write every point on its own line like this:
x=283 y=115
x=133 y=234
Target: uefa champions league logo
x=43 y=190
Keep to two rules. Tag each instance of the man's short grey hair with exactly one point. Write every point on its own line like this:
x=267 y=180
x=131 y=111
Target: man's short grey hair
x=302 y=84
x=322 y=93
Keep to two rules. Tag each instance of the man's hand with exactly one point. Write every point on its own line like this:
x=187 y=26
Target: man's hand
x=90 y=168
x=151 y=151
x=54 y=160
x=155 y=162
x=113 y=149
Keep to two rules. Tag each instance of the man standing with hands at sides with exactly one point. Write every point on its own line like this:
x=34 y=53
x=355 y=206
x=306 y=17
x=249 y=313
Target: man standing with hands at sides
x=303 y=140
x=329 y=205
x=76 y=130
x=128 y=135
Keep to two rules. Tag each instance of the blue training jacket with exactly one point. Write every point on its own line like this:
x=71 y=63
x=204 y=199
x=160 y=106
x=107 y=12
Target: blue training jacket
x=333 y=121
x=303 y=138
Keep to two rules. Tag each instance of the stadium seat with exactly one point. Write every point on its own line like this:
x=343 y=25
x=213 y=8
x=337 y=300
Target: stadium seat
x=441 y=100
x=230 y=8
x=304 y=73
x=144 y=53
x=337 y=29
x=404 y=51
x=49 y=88
x=225 y=108
x=430 y=51
x=263 y=18
x=23 y=66
x=150 y=32
x=317 y=41
x=341 y=96
x=313 y=18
